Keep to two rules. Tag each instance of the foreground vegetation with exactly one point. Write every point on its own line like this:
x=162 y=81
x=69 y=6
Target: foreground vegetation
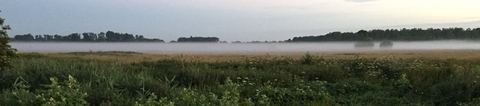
x=39 y=80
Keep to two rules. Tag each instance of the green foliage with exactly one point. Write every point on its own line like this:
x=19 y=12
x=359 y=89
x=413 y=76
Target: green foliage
x=307 y=58
x=153 y=100
x=305 y=93
x=66 y=94
x=252 y=82
x=230 y=95
x=21 y=94
x=6 y=51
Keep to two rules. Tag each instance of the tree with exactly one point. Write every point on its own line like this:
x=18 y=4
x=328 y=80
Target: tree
x=74 y=37
x=140 y=38
x=39 y=38
x=101 y=37
x=86 y=37
x=48 y=37
x=110 y=36
x=57 y=37
x=128 y=37
x=386 y=44
x=362 y=34
x=89 y=36
x=26 y=37
x=6 y=51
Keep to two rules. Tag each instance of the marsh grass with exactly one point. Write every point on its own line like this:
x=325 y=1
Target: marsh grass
x=310 y=80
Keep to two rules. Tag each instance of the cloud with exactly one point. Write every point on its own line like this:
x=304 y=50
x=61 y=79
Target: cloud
x=360 y=1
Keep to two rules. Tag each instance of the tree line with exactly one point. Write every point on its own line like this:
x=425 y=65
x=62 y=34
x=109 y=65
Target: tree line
x=198 y=39
x=109 y=36
x=414 y=34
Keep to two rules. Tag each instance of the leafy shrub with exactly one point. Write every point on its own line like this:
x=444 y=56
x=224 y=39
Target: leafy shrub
x=297 y=95
x=153 y=100
x=65 y=94
x=307 y=58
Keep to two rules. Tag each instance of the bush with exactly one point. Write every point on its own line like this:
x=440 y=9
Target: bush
x=386 y=44
x=63 y=94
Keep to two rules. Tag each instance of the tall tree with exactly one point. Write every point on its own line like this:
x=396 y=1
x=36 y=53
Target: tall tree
x=57 y=37
x=128 y=37
x=101 y=37
x=39 y=38
x=74 y=37
x=48 y=37
x=6 y=51
x=89 y=36
x=110 y=36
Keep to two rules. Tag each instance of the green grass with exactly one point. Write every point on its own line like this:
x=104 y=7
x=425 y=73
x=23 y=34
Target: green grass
x=259 y=82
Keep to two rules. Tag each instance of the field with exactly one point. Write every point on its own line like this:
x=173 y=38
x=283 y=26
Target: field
x=222 y=57
x=441 y=77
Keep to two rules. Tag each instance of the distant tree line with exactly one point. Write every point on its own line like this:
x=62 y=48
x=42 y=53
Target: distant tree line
x=415 y=34
x=110 y=36
x=198 y=39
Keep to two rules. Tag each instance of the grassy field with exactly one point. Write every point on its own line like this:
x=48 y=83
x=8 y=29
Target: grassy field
x=138 y=57
x=291 y=79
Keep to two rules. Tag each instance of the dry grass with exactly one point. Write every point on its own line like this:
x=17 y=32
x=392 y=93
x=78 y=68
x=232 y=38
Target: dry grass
x=133 y=57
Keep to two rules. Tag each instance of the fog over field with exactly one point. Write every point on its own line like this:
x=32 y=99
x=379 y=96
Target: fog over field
x=236 y=47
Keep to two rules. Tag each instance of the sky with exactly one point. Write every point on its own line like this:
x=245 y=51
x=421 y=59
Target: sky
x=232 y=20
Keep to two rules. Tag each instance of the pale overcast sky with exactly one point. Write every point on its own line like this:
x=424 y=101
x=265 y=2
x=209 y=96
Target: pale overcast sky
x=231 y=20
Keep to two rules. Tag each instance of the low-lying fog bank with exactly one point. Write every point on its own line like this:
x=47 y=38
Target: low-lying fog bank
x=237 y=47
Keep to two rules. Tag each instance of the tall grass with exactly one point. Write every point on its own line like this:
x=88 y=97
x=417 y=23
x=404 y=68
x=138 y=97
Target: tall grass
x=310 y=80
